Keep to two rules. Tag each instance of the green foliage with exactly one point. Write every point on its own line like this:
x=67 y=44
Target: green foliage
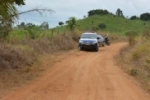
x=44 y=26
x=117 y=25
x=61 y=23
x=7 y=12
x=72 y=23
x=119 y=13
x=133 y=17
x=145 y=16
x=98 y=12
x=102 y=26
x=22 y=25
x=33 y=32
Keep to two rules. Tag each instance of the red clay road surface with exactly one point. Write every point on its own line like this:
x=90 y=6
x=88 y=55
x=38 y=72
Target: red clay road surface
x=83 y=76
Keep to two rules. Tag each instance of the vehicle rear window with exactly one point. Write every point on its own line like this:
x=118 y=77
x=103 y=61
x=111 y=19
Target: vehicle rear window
x=89 y=36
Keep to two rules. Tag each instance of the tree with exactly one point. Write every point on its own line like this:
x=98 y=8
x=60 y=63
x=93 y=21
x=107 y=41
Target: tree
x=145 y=16
x=133 y=17
x=9 y=14
x=119 y=13
x=44 y=26
x=61 y=23
x=21 y=26
x=72 y=23
x=84 y=16
x=98 y=12
x=29 y=25
x=8 y=8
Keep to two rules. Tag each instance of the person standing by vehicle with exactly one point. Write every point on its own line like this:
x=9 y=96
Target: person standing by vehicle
x=107 y=40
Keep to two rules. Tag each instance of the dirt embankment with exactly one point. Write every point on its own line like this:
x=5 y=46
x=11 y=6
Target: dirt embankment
x=83 y=76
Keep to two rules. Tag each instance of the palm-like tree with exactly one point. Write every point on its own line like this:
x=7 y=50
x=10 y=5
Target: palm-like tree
x=7 y=10
x=72 y=23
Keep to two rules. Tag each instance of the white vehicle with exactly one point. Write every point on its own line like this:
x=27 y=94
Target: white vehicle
x=88 y=40
x=101 y=40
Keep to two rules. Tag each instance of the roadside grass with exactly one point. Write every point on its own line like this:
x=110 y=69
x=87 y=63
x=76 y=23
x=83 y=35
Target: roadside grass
x=20 y=59
x=14 y=56
x=135 y=60
x=12 y=78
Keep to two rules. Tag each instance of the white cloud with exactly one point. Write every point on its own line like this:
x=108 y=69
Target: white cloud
x=78 y=8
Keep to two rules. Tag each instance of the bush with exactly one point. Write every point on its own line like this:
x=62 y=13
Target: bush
x=12 y=57
x=19 y=54
x=146 y=34
x=134 y=72
x=102 y=26
x=131 y=37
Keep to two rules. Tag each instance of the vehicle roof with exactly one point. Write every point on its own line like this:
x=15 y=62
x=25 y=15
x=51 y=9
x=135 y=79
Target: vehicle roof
x=88 y=33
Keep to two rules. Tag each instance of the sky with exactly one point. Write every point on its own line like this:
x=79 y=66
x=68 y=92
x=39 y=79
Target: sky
x=64 y=9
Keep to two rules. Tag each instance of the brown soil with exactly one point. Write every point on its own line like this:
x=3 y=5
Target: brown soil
x=83 y=75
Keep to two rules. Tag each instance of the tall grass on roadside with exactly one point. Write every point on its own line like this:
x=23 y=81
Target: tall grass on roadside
x=135 y=60
x=146 y=33
x=131 y=37
x=12 y=57
x=17 y=57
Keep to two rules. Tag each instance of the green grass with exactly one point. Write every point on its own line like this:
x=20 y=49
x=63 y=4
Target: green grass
x=114 y=24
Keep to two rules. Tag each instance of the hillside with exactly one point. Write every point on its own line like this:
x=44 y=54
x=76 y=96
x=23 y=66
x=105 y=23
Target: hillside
x=113 y=24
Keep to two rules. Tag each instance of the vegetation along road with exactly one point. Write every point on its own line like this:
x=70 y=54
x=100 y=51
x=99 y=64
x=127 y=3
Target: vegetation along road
x=83 y=75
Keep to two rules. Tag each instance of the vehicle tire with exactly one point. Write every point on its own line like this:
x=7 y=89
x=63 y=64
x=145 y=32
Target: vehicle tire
x=103 y=45
x=97 y=49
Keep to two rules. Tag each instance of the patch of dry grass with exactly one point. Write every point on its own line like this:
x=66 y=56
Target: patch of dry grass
x=135 y=60
x=15 y=56
x=17 y=59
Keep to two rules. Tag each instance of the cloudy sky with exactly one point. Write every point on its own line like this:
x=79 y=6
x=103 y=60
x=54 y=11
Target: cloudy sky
x=63 y=9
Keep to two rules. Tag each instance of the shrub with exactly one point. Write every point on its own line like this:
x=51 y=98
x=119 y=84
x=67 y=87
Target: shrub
x=146 y=34
x=134 y=72
x=102 y=26
x=131 y=37
x=75 y=35
x=12 y=57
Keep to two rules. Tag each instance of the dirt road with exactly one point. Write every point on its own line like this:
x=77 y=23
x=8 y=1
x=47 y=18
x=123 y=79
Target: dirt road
x=83 y=76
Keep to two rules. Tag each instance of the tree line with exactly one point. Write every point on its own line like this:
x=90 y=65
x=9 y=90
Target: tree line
x=144 y=17
x=119 y=13
x=98 y=12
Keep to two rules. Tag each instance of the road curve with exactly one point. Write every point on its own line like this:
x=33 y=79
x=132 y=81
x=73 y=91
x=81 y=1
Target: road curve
x=83 y=76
